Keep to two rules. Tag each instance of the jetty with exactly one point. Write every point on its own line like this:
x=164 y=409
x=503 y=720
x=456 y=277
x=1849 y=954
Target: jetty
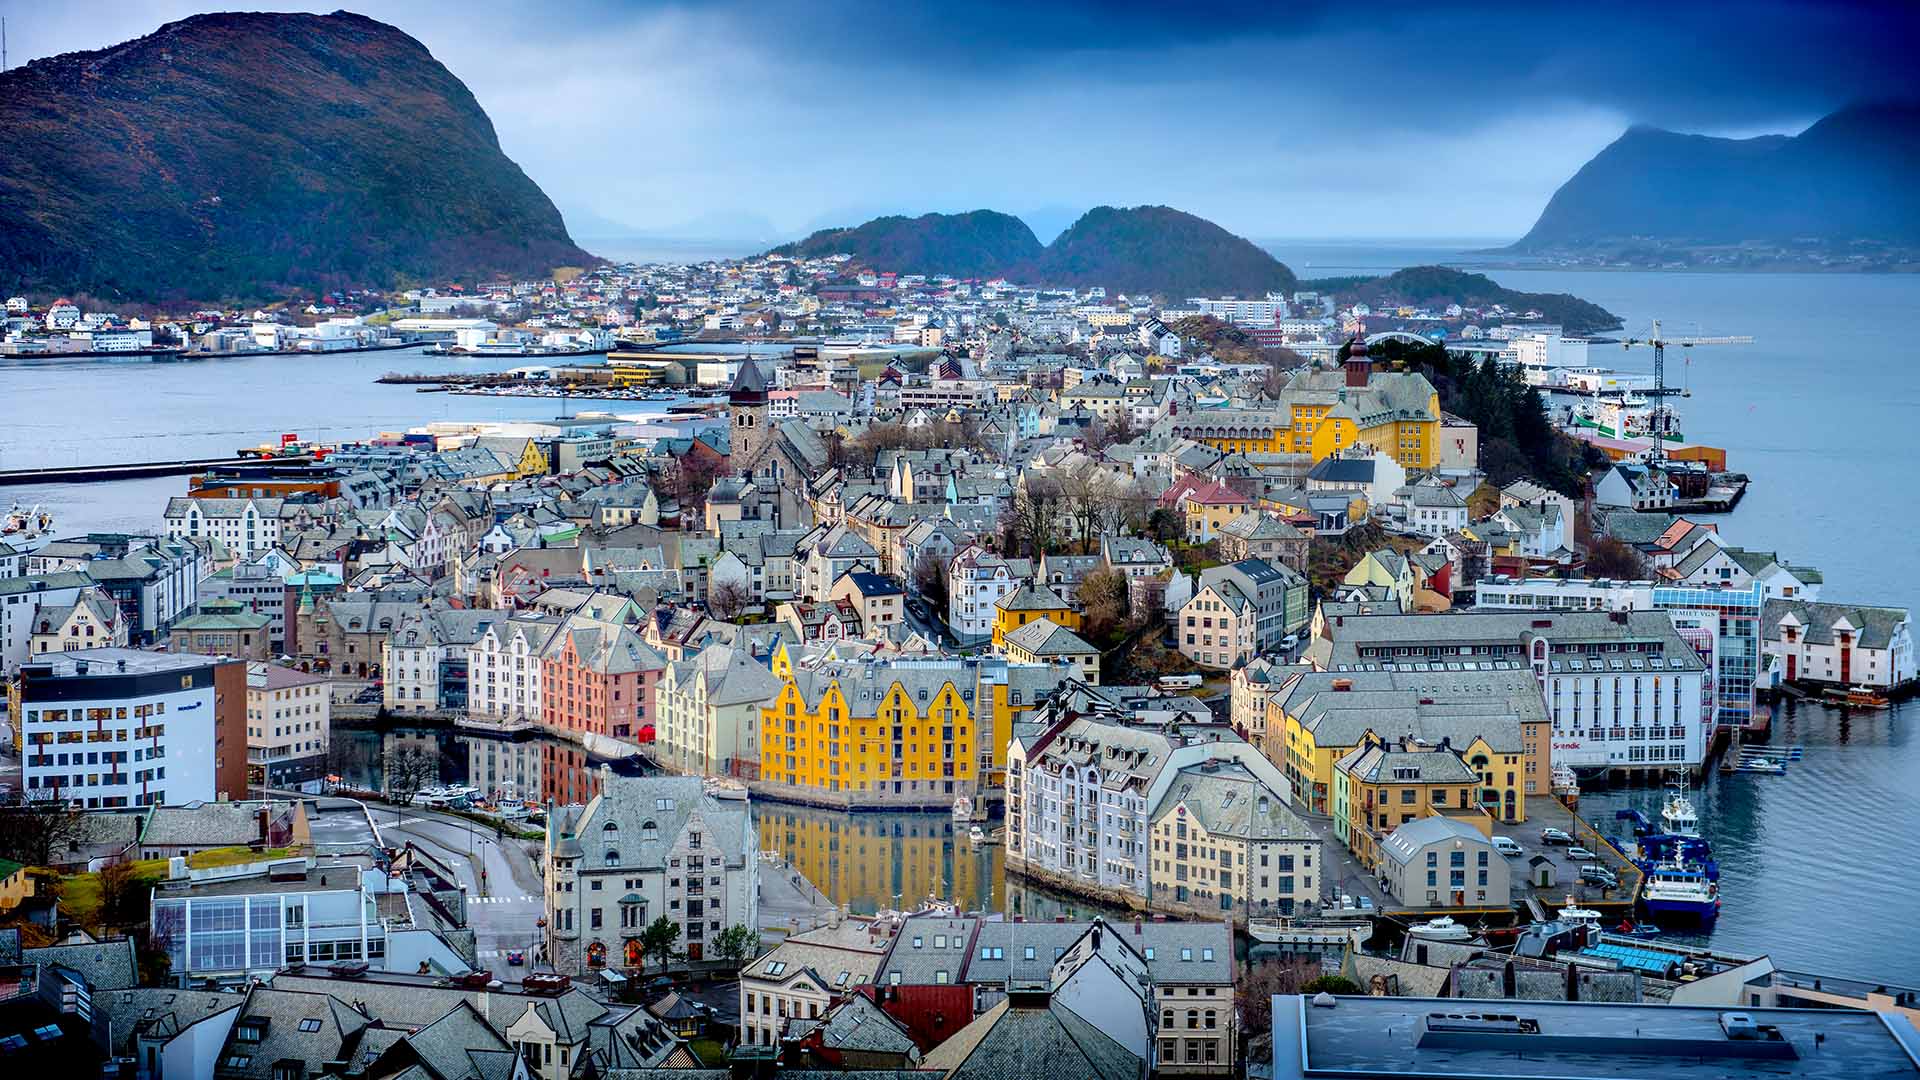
x=132 y=470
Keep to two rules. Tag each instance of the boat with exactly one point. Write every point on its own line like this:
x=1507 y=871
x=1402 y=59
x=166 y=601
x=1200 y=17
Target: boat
x=1626 y=416
x=1637 y=929
x=1573 y=913
x=1763 y=765
x=1443 y=928
x=1678 y=890
x=1858 y=697
x=1679 y=816
x=722 y=788
x=26 y=524
x=1319 y=935
x=962 y=809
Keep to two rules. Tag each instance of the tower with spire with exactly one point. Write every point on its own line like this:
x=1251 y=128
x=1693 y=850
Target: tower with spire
x=747 y=401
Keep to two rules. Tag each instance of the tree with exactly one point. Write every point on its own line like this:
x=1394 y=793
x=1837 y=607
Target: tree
x=1331 y=984
x=727 y=599
x=122 y=895
x=695 y=478
x=1609 y=558
x=39 y=830
x=736 y=944
x=930 y=580
x=408 y=769
x=1103 y=600
x=1253 y=995
x=661 y=940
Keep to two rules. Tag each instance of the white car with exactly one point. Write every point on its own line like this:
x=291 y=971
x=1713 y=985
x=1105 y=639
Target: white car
x=1508 y=846
x=1581 y=854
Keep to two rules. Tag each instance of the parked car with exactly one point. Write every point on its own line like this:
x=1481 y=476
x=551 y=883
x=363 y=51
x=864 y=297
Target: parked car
x=1555 y=836
x=1578 y=852
x=516 y=958
x=1507 y=845
x=1593 y=874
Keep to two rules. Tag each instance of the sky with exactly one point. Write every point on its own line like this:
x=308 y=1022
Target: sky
x=1308 y=119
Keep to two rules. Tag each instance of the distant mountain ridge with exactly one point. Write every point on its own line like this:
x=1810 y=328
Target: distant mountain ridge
x=248 y=155
x=1141 y=249
x=1850 y=176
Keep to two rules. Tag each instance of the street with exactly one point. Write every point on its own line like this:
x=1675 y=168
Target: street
x=505 y=893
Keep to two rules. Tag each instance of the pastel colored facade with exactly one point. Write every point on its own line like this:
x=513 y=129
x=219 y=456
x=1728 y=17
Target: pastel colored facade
x=92 y=621
x=1216 y=628
x=222 y=628
x=504 y=671
x=1441 y=862
x=248 y=527
x=1842 y=645
x=289 y=726
x=1044 y=641
x=906 y=729
x=802 y=978
x=1224 y=846
x=1028 y=604
x=709 y=713
x=598 y=677
x=976 y=580
x=1380 y=786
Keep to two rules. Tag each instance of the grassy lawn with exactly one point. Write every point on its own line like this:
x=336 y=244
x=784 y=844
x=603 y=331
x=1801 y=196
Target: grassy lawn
x=80 y=893
x=710 y=1052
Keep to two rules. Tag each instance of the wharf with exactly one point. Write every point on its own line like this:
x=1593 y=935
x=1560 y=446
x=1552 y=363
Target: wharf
x=134 y=470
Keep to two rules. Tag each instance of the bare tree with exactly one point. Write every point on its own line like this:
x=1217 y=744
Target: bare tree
x=38 y=831
x=1103 y=598
x=408 y=769
x=930 y=580
x=727 y=599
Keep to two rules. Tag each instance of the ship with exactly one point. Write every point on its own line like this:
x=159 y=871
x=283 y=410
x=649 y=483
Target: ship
x=26 y=527
x=1676 y=890
x=1626 y=416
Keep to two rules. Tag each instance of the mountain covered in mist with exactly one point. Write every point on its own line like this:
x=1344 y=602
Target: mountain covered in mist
x=245 y=155
x=1849 y=177
x=1141 y=249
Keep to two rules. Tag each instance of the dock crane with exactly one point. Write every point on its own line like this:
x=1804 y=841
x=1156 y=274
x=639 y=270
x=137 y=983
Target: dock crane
x=1661 y=421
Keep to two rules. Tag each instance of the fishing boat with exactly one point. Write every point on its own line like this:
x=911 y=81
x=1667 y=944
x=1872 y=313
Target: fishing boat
x=1678 y=814
x=1312 y=934
x=24 y=526
x=1443 y=928
x=1677 y=890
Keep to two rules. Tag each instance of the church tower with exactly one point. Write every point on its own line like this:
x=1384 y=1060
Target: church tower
x=747 y=401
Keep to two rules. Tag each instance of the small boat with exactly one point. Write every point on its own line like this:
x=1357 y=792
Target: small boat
x=1676 y=889
x=1441 y=929
x=979 y=837
x=722 y=788
x=1577 y=915
x=1858 y=697
x=1765 y=766
x=1637 y=929
x=962 y=808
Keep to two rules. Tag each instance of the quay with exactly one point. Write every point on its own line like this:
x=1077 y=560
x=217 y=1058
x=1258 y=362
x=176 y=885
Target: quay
x=132 y=470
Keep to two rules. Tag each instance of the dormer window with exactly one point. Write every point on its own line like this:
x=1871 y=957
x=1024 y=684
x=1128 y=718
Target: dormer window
x=649 y=831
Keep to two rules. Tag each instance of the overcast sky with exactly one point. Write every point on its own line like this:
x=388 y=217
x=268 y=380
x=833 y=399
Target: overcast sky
x=1384 y=119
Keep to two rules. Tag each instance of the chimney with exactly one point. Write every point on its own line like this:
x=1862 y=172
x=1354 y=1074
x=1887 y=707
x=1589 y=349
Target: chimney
x=1342 y=685
x=1137 y=926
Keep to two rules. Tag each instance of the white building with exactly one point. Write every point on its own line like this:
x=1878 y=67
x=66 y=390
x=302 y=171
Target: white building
x=22 y=599
x=247 y=527
x=1842 y=645
x=289 y=726
x=503 y=670
x=647 y=848
x=118 y=728
x=976 y=580
x=1265 y=312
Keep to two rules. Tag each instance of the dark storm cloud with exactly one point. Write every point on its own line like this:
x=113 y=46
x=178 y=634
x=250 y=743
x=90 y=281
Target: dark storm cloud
x=1387 y=118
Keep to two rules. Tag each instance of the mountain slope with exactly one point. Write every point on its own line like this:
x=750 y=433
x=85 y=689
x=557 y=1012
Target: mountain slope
x=1158 y=249
x=979 y=243
x=242 y=155
x=1438 y=286
x=1846 y=177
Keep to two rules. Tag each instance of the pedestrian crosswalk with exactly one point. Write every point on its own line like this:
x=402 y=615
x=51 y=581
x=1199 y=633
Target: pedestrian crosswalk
x=503 y=899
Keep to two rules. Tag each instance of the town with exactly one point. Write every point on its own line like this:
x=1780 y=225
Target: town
x=1211 y=618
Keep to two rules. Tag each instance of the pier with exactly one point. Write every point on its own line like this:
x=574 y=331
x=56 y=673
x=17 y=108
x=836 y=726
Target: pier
x=133 y=470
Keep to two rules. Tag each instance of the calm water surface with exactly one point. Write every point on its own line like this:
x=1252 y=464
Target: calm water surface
x=1819 y=865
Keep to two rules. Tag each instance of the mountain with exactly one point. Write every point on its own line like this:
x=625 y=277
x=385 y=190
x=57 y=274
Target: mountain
x=1847 y=177
x=1153 y=249
x=979 y=243
x=1157 y=249
x=245 y=155
x=1438 y=286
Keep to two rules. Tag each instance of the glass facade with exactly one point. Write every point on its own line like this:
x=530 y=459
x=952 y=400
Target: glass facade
x=219 y=935
x=1736 y=653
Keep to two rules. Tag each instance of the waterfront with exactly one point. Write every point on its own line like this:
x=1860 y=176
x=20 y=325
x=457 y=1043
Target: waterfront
x=1816 y=410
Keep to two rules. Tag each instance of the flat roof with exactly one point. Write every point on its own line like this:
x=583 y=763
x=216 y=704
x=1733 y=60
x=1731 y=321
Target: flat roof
x=1449 y=1037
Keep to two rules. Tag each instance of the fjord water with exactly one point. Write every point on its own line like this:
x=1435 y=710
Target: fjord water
x=1819 y=865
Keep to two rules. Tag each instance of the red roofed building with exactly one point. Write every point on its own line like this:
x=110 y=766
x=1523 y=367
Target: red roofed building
x=1209 y=507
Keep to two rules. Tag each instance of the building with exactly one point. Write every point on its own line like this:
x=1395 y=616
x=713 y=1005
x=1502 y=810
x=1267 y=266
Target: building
x=1084 y=792
x=427 y=659
x=708 y=712
x=598 y=677
x=976 y=580
x=1494 y=715
x=1216 y=628
x=1840 y=645
x=1027 y=604
x=1442 y=862
x=1261 y=534
x=503 y=670
x=92 y=621
x=802 y=978
x=289 y=727
x=1624 y=689
x=1225 y=846
x=223 y=628
x=1387 y=782
x=247 y=527
x=1044 y=641
x=117 y=728
x=1363 y=1038
x=646 y=848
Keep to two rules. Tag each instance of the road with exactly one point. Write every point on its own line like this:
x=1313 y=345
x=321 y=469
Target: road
x=502 y=877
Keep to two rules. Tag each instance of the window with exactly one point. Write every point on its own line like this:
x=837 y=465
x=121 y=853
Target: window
x=310 y=1024
x=1186 y=954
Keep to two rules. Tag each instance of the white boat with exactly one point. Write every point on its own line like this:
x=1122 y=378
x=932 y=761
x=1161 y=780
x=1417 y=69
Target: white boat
x=1441 y=929
x=722 y=788
x=1678 y=816
x=1574 y=913
x=1317 y=933
x=977 y=836
x=962 y=808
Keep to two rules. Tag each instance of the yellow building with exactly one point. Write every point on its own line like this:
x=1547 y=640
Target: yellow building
x=16 y=884
x=1044 y=641
x=1319 y=717
x=1321 y=411
x=1379 y=786
x=1025 y=605
x=524 y=457
x=900 y=732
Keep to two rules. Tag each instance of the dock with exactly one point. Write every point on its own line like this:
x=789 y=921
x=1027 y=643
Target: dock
x=132 y=470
